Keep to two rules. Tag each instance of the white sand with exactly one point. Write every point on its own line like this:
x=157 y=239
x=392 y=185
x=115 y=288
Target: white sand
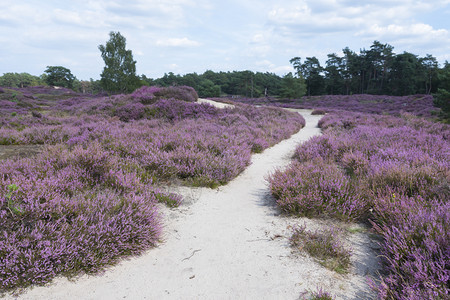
x=215 y=103
x=229 y=243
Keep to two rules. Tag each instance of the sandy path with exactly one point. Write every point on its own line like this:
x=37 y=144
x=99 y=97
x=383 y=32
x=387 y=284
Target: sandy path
x=228 y=243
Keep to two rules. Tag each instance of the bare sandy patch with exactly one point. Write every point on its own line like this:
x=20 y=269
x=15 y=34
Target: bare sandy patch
x=215 y=103
x=19 y=151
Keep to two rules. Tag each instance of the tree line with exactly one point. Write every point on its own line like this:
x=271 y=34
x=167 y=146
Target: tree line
x=377 y=70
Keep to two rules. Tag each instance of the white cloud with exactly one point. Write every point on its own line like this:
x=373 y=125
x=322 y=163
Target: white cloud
x=325 y=16
x=409 y=35
x=177 y=42
x=231 y=35
x=258 y=38
x=283 y=70
x=418 y=30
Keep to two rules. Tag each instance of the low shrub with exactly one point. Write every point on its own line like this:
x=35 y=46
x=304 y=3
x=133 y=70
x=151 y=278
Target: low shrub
x=324 y=246
x=316 y=189
x=185 y=93
x=318 y=112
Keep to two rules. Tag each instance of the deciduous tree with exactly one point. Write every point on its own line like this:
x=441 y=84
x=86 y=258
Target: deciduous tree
x=119 y=73
x=59 y=76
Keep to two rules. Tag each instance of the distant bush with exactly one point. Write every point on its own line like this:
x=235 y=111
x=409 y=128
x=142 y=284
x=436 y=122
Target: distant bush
x=318 y=112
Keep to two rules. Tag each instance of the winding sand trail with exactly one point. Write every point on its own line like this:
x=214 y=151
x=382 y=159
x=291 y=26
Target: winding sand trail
x=227 y=243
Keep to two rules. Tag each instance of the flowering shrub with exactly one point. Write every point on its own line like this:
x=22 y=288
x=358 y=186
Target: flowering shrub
x=394 y=172
x=130 y=111
x=90 y=197
x=185 y=93
x=316 y=188
x=63 y=218
x=146 y=94
x=416 y=249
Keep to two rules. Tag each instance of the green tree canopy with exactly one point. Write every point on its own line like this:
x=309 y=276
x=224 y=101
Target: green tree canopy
x=59 y=76
x=119 y=73
x=19 y=80
x=293 y=87
x=207 y=88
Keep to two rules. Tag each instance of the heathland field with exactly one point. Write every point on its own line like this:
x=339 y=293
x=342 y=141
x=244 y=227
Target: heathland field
x=86 y=181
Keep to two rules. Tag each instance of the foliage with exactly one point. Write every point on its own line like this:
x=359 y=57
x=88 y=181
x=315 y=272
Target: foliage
x=442 y=98
x=442 y=101
x=59 y=76
x=119 y=73
x=207 y=88
x=19 y=80
x=377 y=70
x=213 y=84
x=311 y=71
x=292 y=87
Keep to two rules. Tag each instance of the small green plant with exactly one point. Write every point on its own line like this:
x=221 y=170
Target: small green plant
x=12 y=206
x=171 y=200
x=13 y=114
x=201 y=181
x=323 y=246
x=354 y=230
x=14 y=97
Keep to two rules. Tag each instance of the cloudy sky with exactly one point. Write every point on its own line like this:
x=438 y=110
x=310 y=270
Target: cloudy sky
x=184 y=36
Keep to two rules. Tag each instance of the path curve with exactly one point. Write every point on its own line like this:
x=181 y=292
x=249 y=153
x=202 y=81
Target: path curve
x=228 y=243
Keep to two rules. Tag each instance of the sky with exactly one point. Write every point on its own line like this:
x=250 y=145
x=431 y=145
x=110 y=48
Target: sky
x=186 y=36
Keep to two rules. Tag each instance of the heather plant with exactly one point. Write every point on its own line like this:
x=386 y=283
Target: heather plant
x=420 y=105
x=320 y=294
x=89 y=198
x=324 y=246
x=72 y=234
x=74 y=211
x=416 y=249
x=316 y=189
x=396 y=170
x=146 y=94
x=184 y=93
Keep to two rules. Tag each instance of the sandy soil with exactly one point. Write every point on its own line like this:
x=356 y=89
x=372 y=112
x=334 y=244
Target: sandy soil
x=12 y=151
x=215 y=103
x=228 y=243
